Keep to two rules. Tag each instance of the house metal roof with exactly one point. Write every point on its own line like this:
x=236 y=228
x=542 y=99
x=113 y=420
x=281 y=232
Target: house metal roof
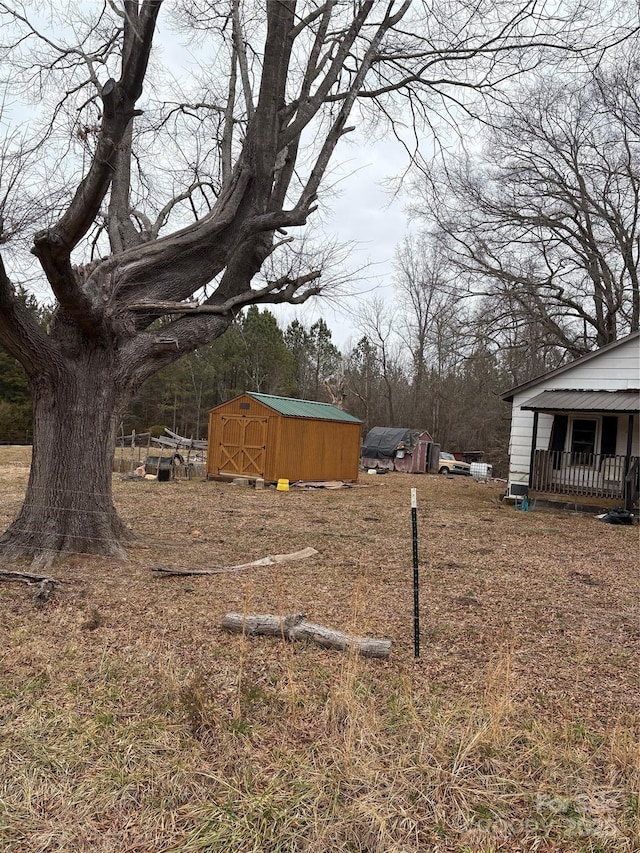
x=293 y=408
x=585 y=401
x=508 y=396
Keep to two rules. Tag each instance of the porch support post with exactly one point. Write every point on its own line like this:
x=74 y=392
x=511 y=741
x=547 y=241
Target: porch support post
x=534 y=443
x=627 y=491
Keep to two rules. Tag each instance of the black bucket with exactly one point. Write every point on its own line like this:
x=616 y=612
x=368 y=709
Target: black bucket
x=164 y=475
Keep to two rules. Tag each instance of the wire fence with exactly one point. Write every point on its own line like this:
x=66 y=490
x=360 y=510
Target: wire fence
x=396 y=543
x=172 y=546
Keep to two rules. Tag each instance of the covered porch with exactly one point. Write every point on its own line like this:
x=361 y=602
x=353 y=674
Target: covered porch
x=588 y=476
x=589 y=450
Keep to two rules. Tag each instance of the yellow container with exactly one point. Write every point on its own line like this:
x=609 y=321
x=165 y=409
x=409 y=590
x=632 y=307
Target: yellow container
x=283 y=486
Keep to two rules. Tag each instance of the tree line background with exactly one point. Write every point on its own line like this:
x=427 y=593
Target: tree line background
x=449 y=384
x=453 y=393
x=524 y=253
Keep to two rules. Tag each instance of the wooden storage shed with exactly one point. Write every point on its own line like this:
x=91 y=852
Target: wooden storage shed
x=260 y=435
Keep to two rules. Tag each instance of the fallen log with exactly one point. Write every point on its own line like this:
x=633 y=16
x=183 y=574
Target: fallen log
x=269 y=560
x=295 y=627
x=44 y=586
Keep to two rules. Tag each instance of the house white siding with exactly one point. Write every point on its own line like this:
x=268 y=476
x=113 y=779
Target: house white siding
x=615 y=369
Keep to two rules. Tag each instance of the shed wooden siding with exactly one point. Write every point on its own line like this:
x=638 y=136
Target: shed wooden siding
x=317 y=450
x=294 y=448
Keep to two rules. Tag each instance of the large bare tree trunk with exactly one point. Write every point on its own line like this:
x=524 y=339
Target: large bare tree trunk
x=68 y=507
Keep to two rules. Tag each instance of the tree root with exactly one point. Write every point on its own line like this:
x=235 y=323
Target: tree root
x=43 y=554
x=44 y=585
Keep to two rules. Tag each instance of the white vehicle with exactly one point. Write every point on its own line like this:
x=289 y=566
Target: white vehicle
x=448 y=464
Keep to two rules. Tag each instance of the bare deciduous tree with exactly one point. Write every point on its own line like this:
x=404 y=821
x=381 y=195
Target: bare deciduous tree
x=432 y=320
x=378 y=322
x=546 y=220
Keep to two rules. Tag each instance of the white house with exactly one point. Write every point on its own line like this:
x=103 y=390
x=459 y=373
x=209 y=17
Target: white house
x=575 y=430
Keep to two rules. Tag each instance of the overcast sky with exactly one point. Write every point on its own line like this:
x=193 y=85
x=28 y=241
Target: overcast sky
x=364 y=213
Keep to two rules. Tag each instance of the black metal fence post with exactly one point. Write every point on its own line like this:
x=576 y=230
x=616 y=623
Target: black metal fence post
x=416 y=599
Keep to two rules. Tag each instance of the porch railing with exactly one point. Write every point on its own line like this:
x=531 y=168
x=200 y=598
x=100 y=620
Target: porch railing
x=588 y=474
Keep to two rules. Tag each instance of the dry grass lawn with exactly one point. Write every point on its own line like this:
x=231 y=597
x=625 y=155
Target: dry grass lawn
x=129 y=723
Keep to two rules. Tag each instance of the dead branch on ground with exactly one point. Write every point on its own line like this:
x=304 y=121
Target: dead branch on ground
x=269 y=560
x=295 y=627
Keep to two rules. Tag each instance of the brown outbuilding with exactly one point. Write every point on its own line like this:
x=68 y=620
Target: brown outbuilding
x=281 y=438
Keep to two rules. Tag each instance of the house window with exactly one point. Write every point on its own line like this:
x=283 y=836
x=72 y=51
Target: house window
x=583 y=441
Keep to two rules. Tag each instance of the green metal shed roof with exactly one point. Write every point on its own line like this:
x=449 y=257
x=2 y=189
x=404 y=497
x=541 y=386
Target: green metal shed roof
x=303 y=408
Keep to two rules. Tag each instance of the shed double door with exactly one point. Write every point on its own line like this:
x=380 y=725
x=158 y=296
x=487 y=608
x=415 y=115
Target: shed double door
x=243 y=443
